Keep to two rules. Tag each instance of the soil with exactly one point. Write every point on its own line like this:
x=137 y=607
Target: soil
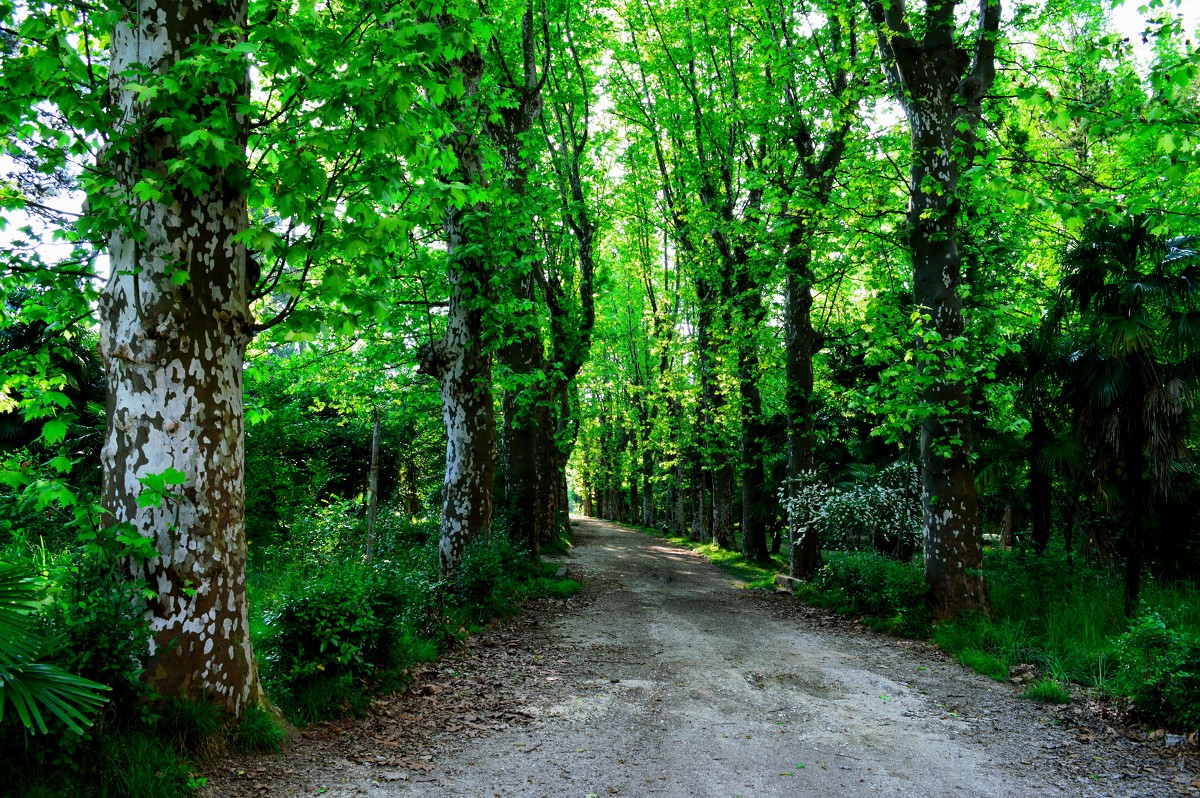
x=664 y=677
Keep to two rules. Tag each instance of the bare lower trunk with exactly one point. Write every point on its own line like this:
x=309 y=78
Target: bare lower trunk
x=173 y=352
x=463 y=370
x=801 y=344
x=647 y=489
x=722 y=507
x=373 y=489
x=699 y=526
x=527 y=490
x=754 y=527
x=679 y=516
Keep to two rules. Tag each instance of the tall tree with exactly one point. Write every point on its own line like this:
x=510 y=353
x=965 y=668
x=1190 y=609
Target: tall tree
x=941 y=86
x=461 y=359
x=174 y=326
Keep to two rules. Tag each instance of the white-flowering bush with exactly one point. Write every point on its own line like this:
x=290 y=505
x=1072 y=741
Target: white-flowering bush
x=884 y=514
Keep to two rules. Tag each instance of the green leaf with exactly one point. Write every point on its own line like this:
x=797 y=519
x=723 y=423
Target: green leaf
x=54 y=431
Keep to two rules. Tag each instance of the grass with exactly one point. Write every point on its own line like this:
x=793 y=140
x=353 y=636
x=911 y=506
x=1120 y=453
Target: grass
x=1047 y=691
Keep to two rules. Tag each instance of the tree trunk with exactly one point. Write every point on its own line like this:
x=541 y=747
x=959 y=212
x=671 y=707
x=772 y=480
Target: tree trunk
x=460 y=360
x=373 y=488
x=800 y=341
x=722 y=507
x=713 y=402
x=747 y=299
x=525 y=495
x=1041 y=487
x=463 y=369
x=173 y=352
x=698 y=526
x=754 y=527
x=647 y=488
x=528 y=493
x=679 y=523
x=941 y=88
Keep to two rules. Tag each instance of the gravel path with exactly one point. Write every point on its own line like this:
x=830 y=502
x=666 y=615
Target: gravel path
x=664 y=678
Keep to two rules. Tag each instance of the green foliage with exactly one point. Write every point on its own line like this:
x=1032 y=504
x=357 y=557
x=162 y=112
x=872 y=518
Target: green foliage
x=487 y=574
x=1158 y=670
x=1047 y=691
x=30 y=685
x=135 y=764
x=893 y=594
x=124 y=760
x=876 y=510
x=330 y=628
x=982 y=662
x=98 y=612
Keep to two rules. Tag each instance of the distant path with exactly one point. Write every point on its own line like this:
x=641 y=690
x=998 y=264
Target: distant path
x=665 y=679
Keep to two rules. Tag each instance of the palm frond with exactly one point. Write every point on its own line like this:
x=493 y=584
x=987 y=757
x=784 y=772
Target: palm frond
x=30 y=686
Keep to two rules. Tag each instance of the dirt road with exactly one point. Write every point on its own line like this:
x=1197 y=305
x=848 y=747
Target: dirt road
x=666 y=679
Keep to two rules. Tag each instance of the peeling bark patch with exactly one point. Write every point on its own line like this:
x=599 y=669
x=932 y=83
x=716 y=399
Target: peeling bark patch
x=173 y=360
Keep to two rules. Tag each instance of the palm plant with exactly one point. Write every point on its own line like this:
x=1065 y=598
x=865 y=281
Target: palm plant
x=1130 y=374
x=30 y=685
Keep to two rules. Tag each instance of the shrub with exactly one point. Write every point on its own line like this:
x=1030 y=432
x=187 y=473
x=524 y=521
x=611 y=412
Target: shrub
x=329 y=628
x=870 y=584
x=1158 y=670
x=98 y=612
x=883 y=513
x=487 y=574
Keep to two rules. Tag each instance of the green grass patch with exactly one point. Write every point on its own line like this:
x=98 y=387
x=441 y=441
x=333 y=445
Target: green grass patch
x=257 y=731
x=129 y=761
x=1047 y=691
x=982 y=662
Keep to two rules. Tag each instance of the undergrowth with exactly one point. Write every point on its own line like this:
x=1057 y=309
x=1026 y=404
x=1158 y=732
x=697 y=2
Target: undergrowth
x=332 y=630
x=329 y=629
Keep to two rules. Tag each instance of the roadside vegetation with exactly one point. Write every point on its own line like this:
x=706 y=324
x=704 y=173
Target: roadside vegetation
x=314 y=315
x=330 y=629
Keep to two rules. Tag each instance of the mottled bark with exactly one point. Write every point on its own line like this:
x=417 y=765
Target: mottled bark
x=173 y=352
x=941 y=87
x=460 y=359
